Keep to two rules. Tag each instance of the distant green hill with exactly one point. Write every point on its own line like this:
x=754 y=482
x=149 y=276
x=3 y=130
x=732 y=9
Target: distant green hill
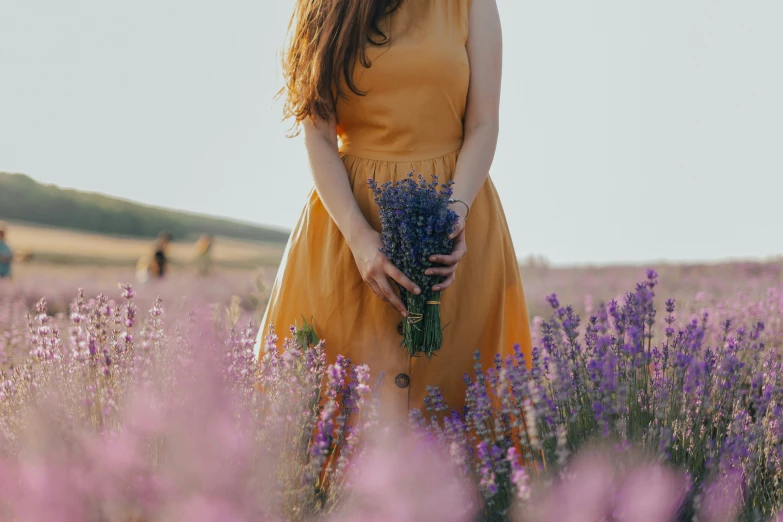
x=24 y=199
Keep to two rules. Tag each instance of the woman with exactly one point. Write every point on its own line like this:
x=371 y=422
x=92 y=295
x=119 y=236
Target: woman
x=6 y=255
x=160 y=260
x=204 y=255
x=382 y=88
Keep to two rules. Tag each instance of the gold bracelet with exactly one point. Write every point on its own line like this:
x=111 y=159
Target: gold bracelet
x=452 y=200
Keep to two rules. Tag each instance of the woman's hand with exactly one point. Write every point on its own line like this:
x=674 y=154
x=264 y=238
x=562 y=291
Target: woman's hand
x=451 y=261
x=334 y=189
x=376 y=270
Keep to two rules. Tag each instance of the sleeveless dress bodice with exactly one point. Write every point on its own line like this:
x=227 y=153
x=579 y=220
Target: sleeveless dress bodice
x=415 y=90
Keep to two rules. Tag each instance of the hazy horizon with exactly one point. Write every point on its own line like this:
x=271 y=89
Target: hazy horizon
x=630 y=132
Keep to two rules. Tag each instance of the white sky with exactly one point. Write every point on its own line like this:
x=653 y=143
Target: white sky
x=632 y=130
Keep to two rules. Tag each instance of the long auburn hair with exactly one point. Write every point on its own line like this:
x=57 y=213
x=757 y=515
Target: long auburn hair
x=326 y=40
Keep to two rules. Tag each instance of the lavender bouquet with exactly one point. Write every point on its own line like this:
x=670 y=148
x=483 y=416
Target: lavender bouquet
x=415 y=224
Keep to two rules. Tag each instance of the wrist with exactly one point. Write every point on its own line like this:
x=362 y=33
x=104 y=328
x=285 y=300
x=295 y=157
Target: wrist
x=460 y=206
x=358 y=233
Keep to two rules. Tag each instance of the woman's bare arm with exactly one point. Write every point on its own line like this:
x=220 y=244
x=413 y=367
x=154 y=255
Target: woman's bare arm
x=334 y=189
x=485 y=51
x=481 y=124
x=331 y=180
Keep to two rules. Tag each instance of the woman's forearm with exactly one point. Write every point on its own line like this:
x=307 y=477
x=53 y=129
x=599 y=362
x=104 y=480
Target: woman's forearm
x=485 y=54
x=475 y=159
x=331 y=181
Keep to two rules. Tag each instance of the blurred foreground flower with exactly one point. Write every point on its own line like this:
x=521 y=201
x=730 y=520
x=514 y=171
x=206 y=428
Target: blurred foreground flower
x=405 y=478
x=112 y=413
x=604 y=484
x=116 y=415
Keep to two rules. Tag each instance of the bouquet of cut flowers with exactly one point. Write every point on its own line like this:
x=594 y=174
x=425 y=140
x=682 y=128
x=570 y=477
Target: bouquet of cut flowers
x=415 y=224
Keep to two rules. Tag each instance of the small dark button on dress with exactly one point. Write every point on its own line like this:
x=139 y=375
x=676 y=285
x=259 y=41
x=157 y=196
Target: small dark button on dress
x=402 y=380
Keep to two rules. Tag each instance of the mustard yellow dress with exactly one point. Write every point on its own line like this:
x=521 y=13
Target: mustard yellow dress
x=411 y=119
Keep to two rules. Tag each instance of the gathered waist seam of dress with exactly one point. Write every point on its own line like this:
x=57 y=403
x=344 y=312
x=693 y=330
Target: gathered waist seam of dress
x=344 y=154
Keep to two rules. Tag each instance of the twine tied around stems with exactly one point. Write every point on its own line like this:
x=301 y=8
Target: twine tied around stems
x=414 y=318
x=421 y=330
x=417 y=318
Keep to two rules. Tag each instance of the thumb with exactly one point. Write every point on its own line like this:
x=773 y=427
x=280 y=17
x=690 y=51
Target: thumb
x=457 y=229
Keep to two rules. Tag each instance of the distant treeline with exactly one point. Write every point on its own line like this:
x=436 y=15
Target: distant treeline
x=24 y=199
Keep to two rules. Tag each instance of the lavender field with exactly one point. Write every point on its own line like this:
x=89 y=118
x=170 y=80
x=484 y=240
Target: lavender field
x=651 y=396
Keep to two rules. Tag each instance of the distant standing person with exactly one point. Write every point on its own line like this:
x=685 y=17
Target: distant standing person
x=204 y=255
x=159 y=259
x=6 y=256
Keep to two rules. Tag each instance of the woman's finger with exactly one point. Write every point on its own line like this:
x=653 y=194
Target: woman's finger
x=458 y=228
x=460 y=248
x=445 y=283
x=459 y=251
x=391 y=295
x=374 y=287
x=445 y=260
x=441 y=270
x=395 y=273
x=450 y=259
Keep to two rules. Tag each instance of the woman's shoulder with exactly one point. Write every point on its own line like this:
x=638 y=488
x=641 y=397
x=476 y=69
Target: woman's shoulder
x=454 y=12
x=458 y=7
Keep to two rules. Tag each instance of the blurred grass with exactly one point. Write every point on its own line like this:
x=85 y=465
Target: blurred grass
x=46 y=245
x=54 y=258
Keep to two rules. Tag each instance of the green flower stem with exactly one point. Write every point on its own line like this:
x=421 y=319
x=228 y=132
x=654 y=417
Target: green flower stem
x=421 y=330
